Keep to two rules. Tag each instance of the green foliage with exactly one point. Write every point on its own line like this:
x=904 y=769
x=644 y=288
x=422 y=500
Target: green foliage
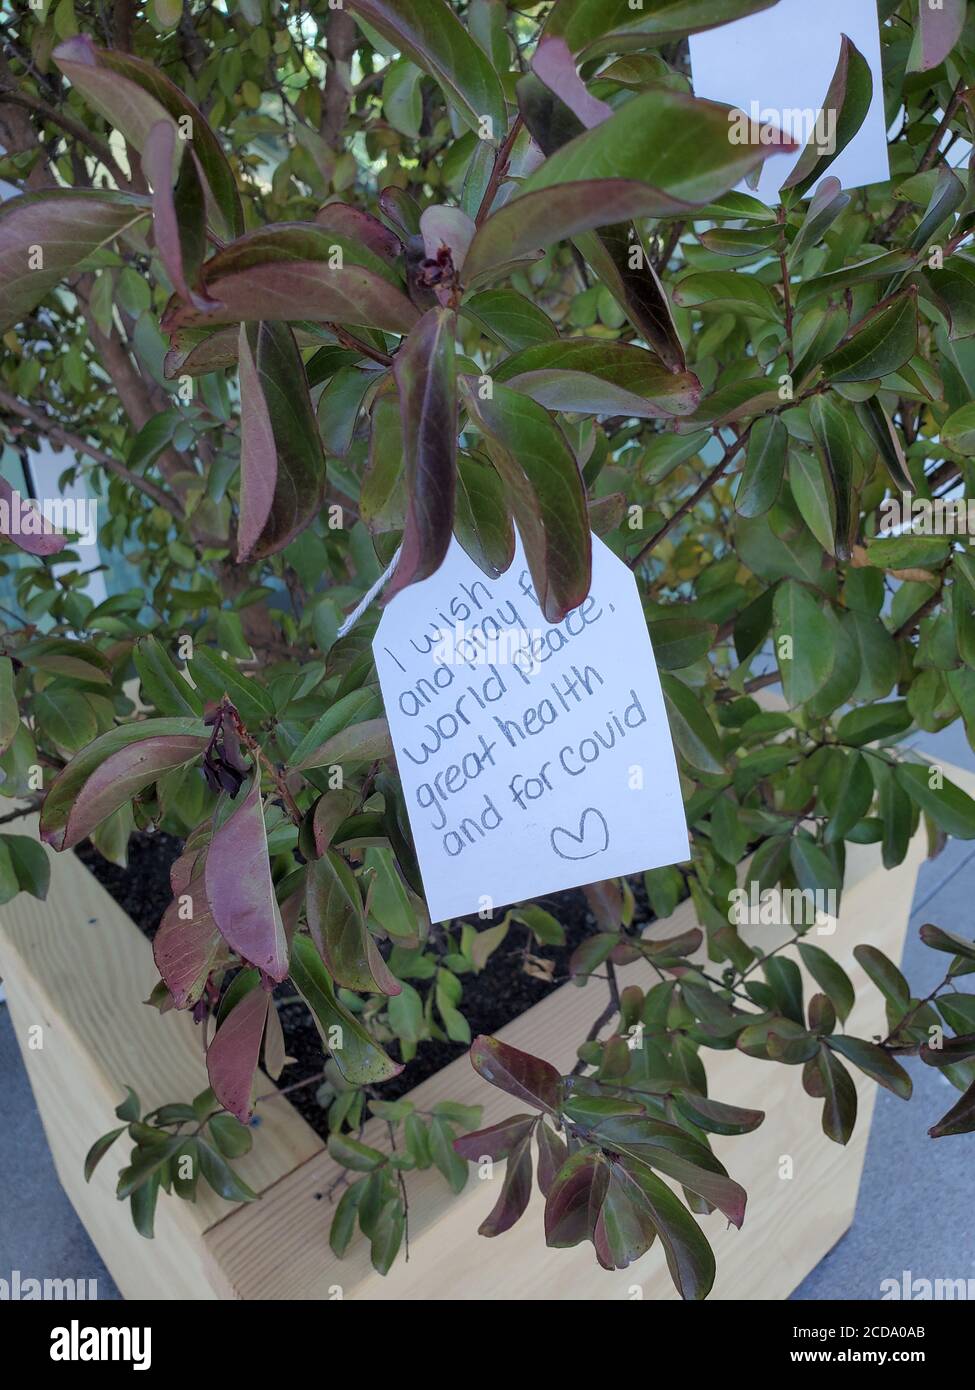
x=317 y=284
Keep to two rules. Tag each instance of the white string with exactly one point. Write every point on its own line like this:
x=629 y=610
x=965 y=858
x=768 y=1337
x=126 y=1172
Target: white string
x=370 y=595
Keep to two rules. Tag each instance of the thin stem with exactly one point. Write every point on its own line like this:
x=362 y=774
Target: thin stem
x=498 y=172
x=701 y=491
x=59 y=435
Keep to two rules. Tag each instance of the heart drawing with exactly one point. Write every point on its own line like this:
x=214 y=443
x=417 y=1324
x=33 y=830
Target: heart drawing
x=592 y=839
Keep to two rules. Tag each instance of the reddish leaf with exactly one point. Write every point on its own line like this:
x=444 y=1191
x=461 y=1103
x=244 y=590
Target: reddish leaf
x=428 y=409
x=185 y=948
x=624 y=1230
x=960 y=1119
x=690 y=1258
x=297 y=271
x=516 y=1191
x=554 y=64
x=22 y=522
x=525 y=1077
x=233 y=1054
x=282 y=470
x=593 y=377
x=939 y=30
x=574 y=1199
x=68 y=224
x=497 y=1141
x=134 y=95
x=239 y=888
x=448 y=227
x=178 y=221
x=357 y=225
x=113 y=769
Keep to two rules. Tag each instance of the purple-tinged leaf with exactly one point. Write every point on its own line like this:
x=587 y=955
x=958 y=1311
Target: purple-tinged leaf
x=233 y=1054
x=337 y=922
x=424 y=370
x=589 y=376
x=960 y=1119
x=544 y=491
x=575 y=1198
x=239 y=888
x=874 y=1062
x=178 y=219
x=519 y=1074
x=23 y=523
x=64 y=225
x=533 y=221
x=442 y=226
x=282 y=469
x=294 y=272
x=939 y=29
x=497 y=1141
x=848 y=96
x=113 y=769
x=516 y=1190
x=839 y=1098
x=690 y=1258
x=715 y=1116
x=356 y=225
x=554 y=64
x=134 y=95
x=186 y=947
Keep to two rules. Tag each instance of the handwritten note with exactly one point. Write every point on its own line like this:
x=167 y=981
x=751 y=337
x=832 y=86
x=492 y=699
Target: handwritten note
x=776 y=66
x=534 y=757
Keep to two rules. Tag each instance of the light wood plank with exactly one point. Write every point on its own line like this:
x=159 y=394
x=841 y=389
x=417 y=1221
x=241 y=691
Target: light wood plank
x=77 y=966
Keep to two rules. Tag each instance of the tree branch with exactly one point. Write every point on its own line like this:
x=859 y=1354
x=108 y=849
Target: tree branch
x=59 y=435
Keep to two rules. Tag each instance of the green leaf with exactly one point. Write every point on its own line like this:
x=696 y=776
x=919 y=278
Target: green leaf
x=874 y=1061
x=352 y=1154
x=831 y=978
x=693 y=732
x=337 y=922
x=617 y=26
x=764 y=468
x=162 y=684
x=511 y=319
x=222 y=1178
x=588 y=376
x=358 y=1057
x=832 y=429
x=429 y=33
x=727 y=291
x=30 y=863
x=387 y=1235
x=544 y=491
x=9 y=711
x=451 y=1165
x=481 y=520
x=803 y=642
x=659 y=154
x=880 y=343
x=947 y=805
x=947 y=941
x=214 y=676
x=99 y=1149
x=958 y=431
x=232 y=1138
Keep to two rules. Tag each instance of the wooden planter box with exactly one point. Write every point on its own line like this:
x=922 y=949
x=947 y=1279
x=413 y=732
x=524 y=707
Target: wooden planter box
x=78 y=966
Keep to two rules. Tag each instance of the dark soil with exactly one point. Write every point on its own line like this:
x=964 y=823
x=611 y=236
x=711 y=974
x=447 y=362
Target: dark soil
x=491 y=999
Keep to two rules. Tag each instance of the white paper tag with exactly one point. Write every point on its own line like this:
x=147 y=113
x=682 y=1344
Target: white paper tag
x=776 y=66
x=534 y=757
